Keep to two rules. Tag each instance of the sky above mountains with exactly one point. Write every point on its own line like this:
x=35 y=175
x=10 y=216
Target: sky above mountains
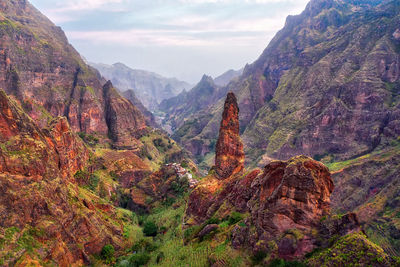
x=175 y=38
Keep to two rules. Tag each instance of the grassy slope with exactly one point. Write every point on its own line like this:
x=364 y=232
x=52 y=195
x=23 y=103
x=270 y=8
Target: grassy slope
x=369 y=186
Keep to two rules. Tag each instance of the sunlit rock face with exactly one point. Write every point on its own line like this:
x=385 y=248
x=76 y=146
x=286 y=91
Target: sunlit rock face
x=229 y=155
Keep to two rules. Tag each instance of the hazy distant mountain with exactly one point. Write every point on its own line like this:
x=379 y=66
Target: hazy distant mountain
x=228 y=76
x=149 y=87
x=186 y=104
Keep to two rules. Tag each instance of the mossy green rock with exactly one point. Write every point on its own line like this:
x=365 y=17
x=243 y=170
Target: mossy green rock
x=352 y=250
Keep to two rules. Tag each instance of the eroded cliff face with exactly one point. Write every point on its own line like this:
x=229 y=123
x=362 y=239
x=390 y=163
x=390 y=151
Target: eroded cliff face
x=229 y=155
x=72 y=153
x=125 y=122
x=24 y=148
x=49 y=78
x=40 y=204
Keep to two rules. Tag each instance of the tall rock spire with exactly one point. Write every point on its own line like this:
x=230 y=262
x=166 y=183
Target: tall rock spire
x=229 y=158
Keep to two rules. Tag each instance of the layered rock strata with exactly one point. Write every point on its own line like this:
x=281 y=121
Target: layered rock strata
x=229 y=155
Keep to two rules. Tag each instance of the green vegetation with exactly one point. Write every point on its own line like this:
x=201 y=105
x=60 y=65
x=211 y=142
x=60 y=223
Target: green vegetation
x=81 y=175
x=159 y=149
x=107 y=253
x=139 y=259
x=235 y=217
x=10 y=232
x=150 y=228
x=180 y=186
x=351 y=250
x=91 y=181
x=89 y=139
x=166 y=247
x=258 y=257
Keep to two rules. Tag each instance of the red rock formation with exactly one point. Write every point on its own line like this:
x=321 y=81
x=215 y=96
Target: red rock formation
x=24 y=148
x=289 y=196
x=71 y=151
x=34 y=191
x=229 y=155
x=286 y=203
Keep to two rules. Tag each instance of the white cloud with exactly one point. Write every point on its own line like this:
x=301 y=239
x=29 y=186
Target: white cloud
x=207 y=24
x=154 y=33
x=137 y=37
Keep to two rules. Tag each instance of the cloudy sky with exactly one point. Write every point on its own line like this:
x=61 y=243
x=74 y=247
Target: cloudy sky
x=176 y=38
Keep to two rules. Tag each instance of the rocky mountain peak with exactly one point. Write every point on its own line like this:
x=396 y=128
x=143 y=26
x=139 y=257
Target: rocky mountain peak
x=206 y=79
x=229 y=157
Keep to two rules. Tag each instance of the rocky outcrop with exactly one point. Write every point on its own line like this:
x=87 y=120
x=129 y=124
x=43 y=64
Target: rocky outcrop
x=166 y=184
x=285 y=204
x=72 y=153
x=124 y=121
x=229 y=155
x=296 y=193
x=289 y=196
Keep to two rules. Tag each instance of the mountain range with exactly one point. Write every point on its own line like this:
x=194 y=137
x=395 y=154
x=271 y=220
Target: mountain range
x=149 y=87
x=327 y=86
x=301 y=150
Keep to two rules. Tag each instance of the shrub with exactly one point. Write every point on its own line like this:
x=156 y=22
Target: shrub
x=88 y=138
x=144 y=245
x=213 y=220
x=168 y=201
x=93 y=182
x=160 y=145
x=139 y=259
x=235 y=217
x=191 y=232
x=150 y=228
x=184 y=164
x=107 y=253
x=102 y=190
x=123 y=198
x=180 y=186
x=258 y=257
x=114 y=175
